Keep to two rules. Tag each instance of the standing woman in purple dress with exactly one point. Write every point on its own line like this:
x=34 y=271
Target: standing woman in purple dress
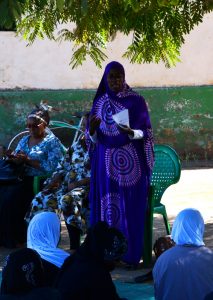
x=122 y=159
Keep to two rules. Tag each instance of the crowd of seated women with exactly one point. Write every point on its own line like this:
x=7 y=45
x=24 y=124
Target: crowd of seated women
x=44 y=271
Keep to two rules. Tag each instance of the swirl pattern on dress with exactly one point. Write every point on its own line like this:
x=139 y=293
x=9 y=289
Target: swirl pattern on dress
x=122 y=165
x=104 y=110
x=111 y=210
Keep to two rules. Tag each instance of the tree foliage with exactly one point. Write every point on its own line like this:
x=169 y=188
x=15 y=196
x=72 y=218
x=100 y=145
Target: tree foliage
x=158 y=27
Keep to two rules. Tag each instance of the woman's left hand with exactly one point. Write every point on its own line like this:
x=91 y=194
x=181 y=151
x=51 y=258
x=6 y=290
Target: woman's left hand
x=22 y=158
x=125 y=129
x=18 y=158
x=71 y=186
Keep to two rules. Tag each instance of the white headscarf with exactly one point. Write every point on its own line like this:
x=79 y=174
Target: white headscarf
x=188 y=228
x=43 y=235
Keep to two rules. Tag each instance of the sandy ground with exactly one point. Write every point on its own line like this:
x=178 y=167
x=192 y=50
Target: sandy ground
x=195 y=189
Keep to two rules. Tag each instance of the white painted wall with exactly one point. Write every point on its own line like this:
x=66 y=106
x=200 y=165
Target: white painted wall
x=45 y=64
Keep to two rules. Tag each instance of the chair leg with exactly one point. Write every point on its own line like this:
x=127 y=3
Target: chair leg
x=147 y=249
x=148 y=232
x=36 y=182
x=168 y=230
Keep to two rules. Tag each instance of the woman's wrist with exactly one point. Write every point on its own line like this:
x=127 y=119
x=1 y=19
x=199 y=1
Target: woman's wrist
x=27 y=160
x=131 y=132
x=91 y=132
x=32 y=163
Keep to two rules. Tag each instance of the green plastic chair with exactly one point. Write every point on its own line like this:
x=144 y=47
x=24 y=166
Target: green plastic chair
x=167 y=170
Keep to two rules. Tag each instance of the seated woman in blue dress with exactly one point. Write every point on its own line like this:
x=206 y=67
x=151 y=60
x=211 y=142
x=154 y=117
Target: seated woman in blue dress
x=39 y=153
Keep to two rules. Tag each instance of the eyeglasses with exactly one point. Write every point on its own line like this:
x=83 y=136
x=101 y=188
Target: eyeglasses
x=33 y=126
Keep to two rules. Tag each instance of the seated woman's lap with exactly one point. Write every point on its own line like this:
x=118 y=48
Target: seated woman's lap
x=15 y=199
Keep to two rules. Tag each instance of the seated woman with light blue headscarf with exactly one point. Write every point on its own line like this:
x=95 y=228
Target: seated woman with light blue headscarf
x=185 y=271
x=43 y=236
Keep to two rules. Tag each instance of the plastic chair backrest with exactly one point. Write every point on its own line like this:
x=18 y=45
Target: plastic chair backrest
x=166 y=171
x=15 y=140
x=76 y=129
x=66 y=133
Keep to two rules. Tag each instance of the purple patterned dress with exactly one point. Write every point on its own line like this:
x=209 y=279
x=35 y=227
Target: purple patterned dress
x=121 y=166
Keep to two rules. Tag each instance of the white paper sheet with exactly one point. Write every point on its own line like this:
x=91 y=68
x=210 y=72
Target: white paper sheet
x=122 y=118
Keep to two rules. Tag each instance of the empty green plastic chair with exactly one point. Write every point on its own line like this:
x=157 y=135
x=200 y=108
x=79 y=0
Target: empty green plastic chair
x=166 y=172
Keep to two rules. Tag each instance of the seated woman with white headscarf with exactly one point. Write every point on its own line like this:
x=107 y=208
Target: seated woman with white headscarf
x=185 y=271
x=43 y=235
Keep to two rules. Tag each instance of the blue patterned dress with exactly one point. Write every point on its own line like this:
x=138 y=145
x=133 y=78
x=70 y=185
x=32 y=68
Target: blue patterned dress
x=16 y=198
x=48 y=152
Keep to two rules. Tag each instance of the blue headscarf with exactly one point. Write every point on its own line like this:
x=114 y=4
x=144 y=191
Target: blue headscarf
x=188 y=228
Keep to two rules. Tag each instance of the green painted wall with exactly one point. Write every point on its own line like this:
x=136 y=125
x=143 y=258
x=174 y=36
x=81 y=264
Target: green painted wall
x=181 y=117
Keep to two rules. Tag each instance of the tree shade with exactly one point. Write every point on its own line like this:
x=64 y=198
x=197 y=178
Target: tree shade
x=158 y=27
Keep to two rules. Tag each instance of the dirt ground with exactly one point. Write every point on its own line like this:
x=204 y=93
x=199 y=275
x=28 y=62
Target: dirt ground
x=195 y=190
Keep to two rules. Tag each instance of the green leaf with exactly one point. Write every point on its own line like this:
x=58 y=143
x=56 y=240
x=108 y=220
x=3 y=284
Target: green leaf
x=158 y=26
x=84 y=7
x=60 y=5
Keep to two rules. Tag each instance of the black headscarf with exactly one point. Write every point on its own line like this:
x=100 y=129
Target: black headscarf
x=23 y=271
x=102 y=243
